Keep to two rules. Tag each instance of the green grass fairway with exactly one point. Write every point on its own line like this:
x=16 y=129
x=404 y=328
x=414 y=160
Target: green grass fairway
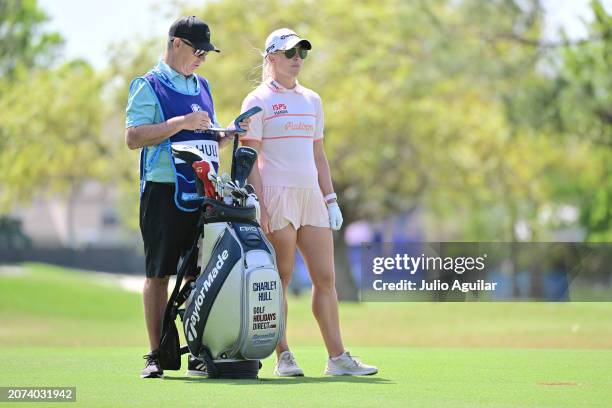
x=420 y=377
x=65 y=328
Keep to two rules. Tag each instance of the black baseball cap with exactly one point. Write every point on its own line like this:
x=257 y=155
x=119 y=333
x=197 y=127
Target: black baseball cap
x=193 y=30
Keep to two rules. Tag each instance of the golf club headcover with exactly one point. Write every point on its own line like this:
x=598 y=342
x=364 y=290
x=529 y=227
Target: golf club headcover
x=187 y=153
x=244 y=159
x=202 y=168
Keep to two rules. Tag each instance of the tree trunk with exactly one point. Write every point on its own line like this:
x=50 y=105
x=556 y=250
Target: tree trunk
x=71 y=202
x=345 y=284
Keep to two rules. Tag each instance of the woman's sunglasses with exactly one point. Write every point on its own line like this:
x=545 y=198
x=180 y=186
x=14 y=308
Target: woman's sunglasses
x=290 y=53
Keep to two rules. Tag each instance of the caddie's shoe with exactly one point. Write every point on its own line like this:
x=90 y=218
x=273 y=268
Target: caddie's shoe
x=286 y=366
x=195 y=366
x=345 y=364
x=152 y=368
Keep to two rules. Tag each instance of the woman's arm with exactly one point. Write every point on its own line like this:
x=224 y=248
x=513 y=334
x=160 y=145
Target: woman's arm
x=255 y=178
x=325 y=182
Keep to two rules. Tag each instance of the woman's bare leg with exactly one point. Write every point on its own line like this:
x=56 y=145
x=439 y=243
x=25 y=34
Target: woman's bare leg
x=317 y=248
x=284 y=243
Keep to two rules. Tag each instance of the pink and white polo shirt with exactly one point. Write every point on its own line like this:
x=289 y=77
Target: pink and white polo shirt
x=290 y=122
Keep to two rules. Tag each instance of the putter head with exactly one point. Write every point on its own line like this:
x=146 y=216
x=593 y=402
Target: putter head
x=244 y=159
x=187 y=153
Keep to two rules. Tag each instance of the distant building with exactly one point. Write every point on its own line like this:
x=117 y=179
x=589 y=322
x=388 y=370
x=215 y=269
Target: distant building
x=90 y=219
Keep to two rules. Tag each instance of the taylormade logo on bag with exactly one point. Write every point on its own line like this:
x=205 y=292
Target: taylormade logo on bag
x=195 y=316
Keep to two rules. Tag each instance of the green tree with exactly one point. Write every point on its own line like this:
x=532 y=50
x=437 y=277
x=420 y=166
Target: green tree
x=585 y=112
x=23 y=42
x=573 y=104
x=51 y=122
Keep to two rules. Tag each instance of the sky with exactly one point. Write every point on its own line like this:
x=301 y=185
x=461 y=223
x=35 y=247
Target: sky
x=90 y=27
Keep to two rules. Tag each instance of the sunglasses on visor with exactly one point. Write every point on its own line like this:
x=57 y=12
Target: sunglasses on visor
x=290 y=53
x=196 y=52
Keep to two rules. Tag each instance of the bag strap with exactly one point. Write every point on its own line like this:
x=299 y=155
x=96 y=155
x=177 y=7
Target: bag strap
x=173 y=302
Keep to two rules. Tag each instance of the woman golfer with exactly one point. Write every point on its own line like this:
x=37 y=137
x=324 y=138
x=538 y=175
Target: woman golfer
x=292 y=180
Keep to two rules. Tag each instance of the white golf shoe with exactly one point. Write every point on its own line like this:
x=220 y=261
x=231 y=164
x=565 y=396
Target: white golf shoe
x=345 y=364
x=286 y=366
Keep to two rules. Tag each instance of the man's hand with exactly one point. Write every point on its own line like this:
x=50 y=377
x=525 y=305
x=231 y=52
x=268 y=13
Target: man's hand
x=244 y=125
x=196 y=120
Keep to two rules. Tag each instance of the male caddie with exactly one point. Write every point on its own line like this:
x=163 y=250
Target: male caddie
x=169 y=105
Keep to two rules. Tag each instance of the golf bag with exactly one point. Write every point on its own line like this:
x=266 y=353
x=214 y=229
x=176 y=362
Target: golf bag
x=233 y=311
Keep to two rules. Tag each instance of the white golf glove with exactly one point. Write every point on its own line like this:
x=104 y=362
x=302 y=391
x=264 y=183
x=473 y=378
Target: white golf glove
x=335 y=216
x=252 y=200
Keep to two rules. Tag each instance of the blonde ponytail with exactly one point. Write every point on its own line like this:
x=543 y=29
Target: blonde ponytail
x=266 y=70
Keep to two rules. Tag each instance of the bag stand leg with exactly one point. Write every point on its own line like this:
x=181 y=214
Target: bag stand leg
x=247 y=369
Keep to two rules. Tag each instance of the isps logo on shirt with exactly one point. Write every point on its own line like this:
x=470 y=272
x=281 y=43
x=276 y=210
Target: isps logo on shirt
x=279 y=108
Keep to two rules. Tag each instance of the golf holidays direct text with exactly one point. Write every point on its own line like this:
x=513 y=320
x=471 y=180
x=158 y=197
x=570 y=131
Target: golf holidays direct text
x=412 y=265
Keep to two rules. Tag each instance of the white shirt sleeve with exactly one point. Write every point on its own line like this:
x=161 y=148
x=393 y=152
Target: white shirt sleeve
x=255 y=131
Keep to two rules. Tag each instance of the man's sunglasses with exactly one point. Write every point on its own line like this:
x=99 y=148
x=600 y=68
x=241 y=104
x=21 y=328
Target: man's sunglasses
x=196 y=52
x=290 y=53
